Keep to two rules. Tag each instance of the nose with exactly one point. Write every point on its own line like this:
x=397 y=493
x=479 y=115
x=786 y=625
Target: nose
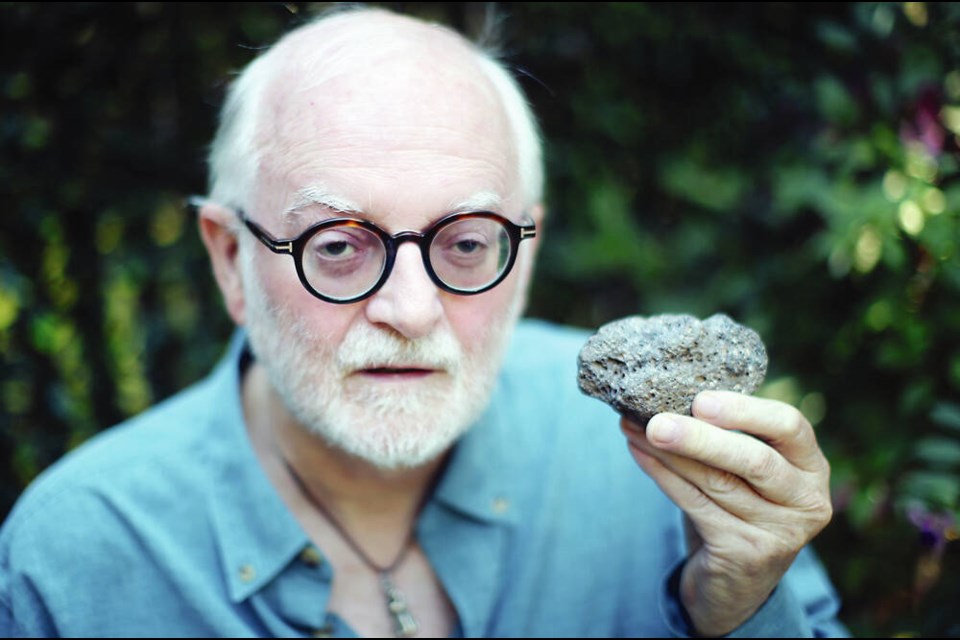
x=408 y=302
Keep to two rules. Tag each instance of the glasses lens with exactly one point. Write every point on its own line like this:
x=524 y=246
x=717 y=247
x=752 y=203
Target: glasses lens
x=344 y=261
x=471 y=253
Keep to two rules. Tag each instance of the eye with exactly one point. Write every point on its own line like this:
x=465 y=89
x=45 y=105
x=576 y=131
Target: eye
x=468 y=245
x=336 y=249
x=466 y=248
x=340 y=244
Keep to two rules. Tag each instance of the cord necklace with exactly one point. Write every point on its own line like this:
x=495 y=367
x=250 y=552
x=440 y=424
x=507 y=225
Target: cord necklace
x=404 y=624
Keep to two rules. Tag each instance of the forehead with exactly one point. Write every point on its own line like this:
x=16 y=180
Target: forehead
x=415 y=124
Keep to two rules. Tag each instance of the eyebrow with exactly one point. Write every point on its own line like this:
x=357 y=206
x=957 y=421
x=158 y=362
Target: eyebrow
x=319 y=195
x=485 y=200
x=482 y=200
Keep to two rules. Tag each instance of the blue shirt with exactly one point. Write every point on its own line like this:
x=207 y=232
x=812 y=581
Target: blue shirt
x=541 y=525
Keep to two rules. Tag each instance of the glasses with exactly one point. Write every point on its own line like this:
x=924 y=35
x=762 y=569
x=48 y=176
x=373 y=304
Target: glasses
x=344 y=260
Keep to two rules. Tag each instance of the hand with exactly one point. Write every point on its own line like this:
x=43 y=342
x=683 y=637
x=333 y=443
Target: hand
x=754 y=486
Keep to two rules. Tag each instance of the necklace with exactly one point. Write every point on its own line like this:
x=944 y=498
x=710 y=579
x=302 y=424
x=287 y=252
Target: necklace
x=404 y=624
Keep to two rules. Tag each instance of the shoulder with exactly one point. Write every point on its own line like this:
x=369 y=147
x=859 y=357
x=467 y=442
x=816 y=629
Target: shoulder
x=543 y=356
x=539 y=342
x=130 y=495
x=539 y=379
x=542 y=363
x=562 y=429
x=121 y=465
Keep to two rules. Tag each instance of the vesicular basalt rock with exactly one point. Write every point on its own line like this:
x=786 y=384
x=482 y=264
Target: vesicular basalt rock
x=642 y=366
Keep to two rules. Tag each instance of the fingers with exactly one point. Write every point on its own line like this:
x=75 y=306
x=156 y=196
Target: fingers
x=714 y=515
x=739 y=449
x=778 y=424
x=737 y=470
x=726 y=489
x=681 y=491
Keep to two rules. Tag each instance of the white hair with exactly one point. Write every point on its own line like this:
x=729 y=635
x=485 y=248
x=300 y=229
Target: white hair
x=235 y=155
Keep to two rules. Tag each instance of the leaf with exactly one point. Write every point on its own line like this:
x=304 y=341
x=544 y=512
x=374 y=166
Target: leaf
x=714 y=189
x=939 y=451
x=834 y=100
x=946 y=414
x=937 y=488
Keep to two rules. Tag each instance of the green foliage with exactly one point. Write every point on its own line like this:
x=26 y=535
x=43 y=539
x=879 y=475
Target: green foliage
x=792 y=164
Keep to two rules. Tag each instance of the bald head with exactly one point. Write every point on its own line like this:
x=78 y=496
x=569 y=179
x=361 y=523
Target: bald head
x=364 y=41
x=378 y=85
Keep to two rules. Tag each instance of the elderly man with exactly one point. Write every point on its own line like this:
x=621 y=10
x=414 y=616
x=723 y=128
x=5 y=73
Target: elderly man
x=385 y=449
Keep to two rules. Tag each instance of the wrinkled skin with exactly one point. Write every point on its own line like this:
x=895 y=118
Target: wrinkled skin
x=754 y=486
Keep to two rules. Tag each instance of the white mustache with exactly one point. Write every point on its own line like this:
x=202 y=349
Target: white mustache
x=365 y=347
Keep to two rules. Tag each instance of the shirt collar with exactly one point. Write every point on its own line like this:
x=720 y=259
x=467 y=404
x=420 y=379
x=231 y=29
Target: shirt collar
x=464 y=529
x=485 y=468
x=258 y=535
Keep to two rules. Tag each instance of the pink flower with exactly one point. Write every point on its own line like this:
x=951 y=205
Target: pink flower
x=923 y=123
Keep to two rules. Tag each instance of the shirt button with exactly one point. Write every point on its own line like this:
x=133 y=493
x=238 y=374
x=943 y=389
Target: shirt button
x=500 y=505
x=246 y=573
x=311 y=557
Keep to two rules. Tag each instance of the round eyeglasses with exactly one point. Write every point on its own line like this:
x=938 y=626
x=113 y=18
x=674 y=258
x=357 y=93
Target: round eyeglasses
x=343 y=260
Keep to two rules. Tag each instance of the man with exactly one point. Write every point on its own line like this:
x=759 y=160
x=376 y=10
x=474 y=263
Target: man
x=380 y=452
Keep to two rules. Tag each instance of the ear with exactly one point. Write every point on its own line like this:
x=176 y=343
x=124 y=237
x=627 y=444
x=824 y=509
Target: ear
x=217 y=228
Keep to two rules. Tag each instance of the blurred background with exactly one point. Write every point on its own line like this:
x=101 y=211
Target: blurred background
x=794 y=165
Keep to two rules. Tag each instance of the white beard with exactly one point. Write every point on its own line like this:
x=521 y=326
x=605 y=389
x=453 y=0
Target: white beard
x=390 y=424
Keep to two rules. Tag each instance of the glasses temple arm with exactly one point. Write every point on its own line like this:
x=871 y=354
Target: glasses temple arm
x=277 y=246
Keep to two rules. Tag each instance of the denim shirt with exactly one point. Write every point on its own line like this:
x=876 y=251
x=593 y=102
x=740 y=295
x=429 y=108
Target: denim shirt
x=541 y=525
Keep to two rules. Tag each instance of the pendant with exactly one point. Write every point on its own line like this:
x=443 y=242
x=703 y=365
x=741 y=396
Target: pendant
x=404 y=625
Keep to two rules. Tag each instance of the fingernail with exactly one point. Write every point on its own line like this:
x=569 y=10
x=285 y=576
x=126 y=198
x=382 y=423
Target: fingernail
x=663 y=430
x=707 y=405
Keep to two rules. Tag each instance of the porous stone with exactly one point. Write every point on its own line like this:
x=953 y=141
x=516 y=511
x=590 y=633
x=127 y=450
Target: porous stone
x=642 y=366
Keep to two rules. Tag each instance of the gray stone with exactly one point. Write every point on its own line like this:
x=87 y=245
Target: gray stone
x=642 y=366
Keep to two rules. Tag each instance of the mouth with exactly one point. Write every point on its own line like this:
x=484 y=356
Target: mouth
x=397 y=373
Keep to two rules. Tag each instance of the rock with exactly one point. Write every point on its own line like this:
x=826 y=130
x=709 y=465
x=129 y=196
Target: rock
x=642 y=366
